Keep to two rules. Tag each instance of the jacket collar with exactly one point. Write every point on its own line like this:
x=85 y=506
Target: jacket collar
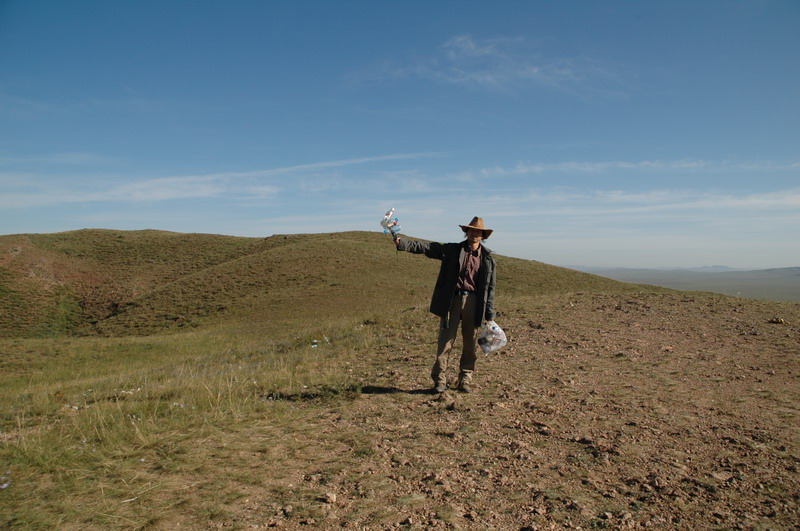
x=484 y=250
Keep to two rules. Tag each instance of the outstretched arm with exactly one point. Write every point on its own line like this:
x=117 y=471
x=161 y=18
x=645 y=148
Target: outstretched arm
x=429 y=249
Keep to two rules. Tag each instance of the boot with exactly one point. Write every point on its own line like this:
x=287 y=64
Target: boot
x=464 y=382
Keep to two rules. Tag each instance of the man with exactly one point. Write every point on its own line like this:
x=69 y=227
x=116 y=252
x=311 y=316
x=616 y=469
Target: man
x=464 y=293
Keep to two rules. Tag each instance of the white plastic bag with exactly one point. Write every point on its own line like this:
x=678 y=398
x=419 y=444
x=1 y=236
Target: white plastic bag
x=492 y=338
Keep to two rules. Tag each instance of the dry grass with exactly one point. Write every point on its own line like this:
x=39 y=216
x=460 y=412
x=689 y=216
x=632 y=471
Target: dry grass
x=107 y=432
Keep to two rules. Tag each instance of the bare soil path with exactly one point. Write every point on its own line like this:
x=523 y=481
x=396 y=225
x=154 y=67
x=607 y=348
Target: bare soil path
x=604 y=411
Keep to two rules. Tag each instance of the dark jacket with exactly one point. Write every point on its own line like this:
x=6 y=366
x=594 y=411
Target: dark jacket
x=452 y=256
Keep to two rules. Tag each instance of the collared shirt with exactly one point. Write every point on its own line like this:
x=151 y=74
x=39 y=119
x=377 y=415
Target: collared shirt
x=468 y=276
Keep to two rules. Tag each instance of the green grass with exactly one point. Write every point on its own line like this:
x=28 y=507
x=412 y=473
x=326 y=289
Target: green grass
x=102 y=431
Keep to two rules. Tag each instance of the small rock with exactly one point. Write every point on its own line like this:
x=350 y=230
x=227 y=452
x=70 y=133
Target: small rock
x=722 y=476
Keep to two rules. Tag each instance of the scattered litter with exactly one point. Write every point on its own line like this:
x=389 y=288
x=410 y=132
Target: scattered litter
x=6 y=480
x=126 y=391
x=316 y=342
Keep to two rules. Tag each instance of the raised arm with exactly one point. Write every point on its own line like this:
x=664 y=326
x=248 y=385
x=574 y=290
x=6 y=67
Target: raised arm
x=429 y=249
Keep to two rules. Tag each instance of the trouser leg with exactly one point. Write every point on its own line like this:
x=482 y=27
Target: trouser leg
x=468 y=329
x=448 y=329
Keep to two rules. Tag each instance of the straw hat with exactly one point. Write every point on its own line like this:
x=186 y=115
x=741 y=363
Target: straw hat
x=477 y=223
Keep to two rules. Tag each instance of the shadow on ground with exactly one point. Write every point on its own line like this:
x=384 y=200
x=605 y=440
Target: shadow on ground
x=383 y=390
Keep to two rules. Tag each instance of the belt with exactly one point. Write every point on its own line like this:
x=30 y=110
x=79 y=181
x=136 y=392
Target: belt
x=464 y=292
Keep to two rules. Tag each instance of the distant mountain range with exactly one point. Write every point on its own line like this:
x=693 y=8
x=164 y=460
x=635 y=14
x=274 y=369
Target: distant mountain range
x=782 y=284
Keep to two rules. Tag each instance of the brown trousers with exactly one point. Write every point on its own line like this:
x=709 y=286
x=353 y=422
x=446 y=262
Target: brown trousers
x=462 y=310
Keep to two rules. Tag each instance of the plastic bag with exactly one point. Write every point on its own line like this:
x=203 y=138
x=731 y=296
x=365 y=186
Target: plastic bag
x=492 y=338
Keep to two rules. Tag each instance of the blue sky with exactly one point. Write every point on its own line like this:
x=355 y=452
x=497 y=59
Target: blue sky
x=615 y=133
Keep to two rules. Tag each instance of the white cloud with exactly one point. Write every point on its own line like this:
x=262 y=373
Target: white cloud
x=265 y=191
x=70 y=159
x=317 y=166
x=555 y=223
x=654 y=228
x=13 y=105
x=653 y=206
x=523 y=168
x=162 y=189
x=601 y=167
x=26 y=189
x=498 y=64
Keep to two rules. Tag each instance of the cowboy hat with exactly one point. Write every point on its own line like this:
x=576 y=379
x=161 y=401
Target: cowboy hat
x=477 y=223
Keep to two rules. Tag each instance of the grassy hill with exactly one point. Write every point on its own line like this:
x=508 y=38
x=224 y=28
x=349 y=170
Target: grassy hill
x=114 y=283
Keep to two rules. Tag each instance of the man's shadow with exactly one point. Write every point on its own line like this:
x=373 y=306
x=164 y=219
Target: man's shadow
x=383 y=390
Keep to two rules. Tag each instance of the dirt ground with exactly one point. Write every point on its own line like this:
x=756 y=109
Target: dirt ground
x=668 y=411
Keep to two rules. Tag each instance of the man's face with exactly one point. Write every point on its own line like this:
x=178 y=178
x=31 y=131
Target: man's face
x=474 y=235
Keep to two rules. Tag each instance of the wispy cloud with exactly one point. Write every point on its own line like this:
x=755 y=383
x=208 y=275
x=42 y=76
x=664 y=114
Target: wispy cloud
x=500 y=183
x=261 y=192
x=647 y=207
x=498 y=64
x=126 y=101
x=162 y=189
x=32 y=190
x=684 y=166
x=555 y=223
x=324 y=165
x=592 y=167
x=68 y=159
x=13 y=105
x=652 y=227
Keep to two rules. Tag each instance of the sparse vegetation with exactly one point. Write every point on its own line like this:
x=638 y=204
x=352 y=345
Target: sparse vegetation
x=252 y=384
x=95 y=431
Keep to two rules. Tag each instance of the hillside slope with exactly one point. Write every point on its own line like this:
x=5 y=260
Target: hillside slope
x=106 y=282
x=66 y=282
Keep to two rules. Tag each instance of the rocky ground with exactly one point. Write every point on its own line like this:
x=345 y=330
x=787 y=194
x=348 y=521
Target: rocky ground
x=604 y=411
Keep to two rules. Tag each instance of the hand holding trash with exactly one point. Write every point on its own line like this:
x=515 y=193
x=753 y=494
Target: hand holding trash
x=391 y=225
x=491 y=338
